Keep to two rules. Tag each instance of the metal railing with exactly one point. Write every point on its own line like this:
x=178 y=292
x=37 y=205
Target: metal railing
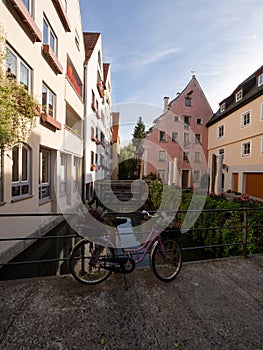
x=243 y=226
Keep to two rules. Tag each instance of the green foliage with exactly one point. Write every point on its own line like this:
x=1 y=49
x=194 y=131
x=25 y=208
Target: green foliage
x=17 y=107
x=127 y=162
x=138 y=133
x=222 y=225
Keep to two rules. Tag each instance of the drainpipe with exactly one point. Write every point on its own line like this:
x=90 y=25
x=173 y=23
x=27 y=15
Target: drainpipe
x=84 y=136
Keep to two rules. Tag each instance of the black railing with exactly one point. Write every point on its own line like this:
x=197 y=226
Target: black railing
x=246 y=228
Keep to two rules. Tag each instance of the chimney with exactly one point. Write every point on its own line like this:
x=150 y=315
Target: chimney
x=165 y=103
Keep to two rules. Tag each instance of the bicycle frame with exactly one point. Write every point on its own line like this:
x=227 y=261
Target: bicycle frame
x=152 y=237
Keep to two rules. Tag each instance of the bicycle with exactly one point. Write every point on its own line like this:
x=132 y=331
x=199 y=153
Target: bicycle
x=91 y=263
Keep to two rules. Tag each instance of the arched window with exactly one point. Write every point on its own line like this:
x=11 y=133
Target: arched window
x=21 y=177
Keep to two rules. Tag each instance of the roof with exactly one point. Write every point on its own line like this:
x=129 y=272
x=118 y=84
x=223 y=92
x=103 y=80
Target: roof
x=250 y=91
x=90 y=41
x=106 y=67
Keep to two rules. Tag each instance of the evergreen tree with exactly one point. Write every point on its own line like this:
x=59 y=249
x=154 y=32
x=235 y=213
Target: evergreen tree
x=138 y=133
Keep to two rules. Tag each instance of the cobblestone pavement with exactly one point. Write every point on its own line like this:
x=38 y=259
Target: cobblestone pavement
x=211 y=305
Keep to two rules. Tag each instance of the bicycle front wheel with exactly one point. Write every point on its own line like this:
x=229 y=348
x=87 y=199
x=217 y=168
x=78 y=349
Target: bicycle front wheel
x=88 y=262
x=166 y=259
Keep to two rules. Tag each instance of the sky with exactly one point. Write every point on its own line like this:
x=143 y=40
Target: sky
x=155 y=46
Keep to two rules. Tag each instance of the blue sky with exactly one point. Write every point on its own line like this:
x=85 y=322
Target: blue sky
x=154 y=46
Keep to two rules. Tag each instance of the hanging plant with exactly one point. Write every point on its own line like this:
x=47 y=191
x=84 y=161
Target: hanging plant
x=18 y=108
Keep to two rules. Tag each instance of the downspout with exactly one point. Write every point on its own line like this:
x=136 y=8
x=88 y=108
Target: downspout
x=84 y=136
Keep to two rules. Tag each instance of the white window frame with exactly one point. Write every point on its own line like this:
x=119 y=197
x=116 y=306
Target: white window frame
x=260 y=79
x=261 y=111
x=29 y=6
x=164 y=138
x=75 y=170
x=49 y=94
x=63 y=174
x=198 y=140
x=222 y=107
x=175 y=136
x=162 y=156
x=243 y=149
x=161 y=174
x=44 y=185
x=239 y=95
x=197 y=175
x=21 y=183
x=198 y=157
x=186 y=156
x=221 y=131
x=18 y=63
x=50 y=33
x=246 y=119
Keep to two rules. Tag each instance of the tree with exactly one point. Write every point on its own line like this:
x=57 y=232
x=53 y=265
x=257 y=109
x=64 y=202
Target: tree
x=138 y=133
x=18 y=108
x=127 y=162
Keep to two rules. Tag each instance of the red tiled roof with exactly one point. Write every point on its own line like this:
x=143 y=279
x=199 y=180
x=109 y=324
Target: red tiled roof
x=90 y=41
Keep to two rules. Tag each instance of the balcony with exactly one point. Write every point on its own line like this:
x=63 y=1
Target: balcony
x=62 y=14
x=52 y=59
x=50 y=122
x=27 y=19
x=73 y=142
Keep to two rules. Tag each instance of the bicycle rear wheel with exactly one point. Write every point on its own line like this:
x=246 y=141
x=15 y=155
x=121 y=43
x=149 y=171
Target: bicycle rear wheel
x=166 y=259
x=88 y=264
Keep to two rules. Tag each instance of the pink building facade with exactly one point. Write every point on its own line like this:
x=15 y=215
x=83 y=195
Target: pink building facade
x=175 y=148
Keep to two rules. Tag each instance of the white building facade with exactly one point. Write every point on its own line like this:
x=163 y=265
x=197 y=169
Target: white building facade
x=45 y=52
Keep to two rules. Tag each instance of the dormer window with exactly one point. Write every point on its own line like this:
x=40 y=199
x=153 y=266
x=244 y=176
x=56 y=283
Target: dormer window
x=260 y=79
x=222 y=107
x=239 y=95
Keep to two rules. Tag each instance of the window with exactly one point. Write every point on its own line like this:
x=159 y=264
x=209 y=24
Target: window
x=246 y=149
x=18 y=70
x=48 y=101
x=197 y=157
x=162 y=136
x=186 y=139
x=161 y=156
x=222 y=107
x=186 y=122
x=260 y=79
x=198 y=139
x=239 y=95
x=49 y=37
x=21 y=157
x=28 y=4
x=161 y=174
x=75 y=171
x=44 y=174
x=174 y=136
x=188 y=101
x=197 y=175
x=65 y=5
x=77 y=39
x=176 y=118
x=63 y=174
x=186 y=156
x=199 y=121
x=246 y=119
x=220 y=131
